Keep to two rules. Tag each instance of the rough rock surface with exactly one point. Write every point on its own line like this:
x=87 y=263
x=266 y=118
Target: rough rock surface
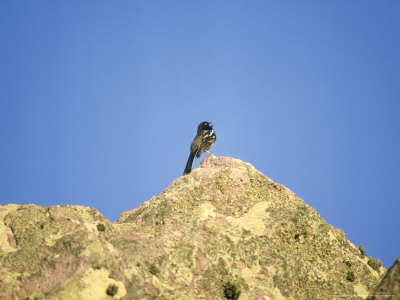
x=222 y=231
x=389 y=287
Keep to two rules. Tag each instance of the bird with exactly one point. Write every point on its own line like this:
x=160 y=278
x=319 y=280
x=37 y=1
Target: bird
x=203 y=141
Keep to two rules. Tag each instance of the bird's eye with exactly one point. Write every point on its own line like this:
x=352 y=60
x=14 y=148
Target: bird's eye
x=206 y=123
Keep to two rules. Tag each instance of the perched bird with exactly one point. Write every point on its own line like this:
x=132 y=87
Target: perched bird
x=203 y=141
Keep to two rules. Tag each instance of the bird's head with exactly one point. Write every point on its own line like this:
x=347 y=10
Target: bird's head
x=204 y=126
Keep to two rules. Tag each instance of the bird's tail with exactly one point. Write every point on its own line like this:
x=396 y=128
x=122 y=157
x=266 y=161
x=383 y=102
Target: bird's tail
x=189 y=163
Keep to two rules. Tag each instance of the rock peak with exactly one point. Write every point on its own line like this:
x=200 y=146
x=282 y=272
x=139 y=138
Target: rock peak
x=223 y=231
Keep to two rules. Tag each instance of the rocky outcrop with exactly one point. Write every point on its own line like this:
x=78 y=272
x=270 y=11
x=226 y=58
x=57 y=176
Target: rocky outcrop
x=222 y=232
x=389 y=287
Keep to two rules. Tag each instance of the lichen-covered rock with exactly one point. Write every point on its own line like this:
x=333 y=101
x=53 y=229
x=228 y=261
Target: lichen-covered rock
x=223 y=231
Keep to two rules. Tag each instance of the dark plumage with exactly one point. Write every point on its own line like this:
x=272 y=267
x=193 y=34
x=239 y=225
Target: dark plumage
x=203 y=141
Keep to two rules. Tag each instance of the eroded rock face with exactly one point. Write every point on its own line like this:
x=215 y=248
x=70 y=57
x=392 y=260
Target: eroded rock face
x=223 y=229
x=389 y=287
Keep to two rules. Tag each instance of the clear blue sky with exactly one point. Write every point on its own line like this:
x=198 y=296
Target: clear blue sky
x=100 y=101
